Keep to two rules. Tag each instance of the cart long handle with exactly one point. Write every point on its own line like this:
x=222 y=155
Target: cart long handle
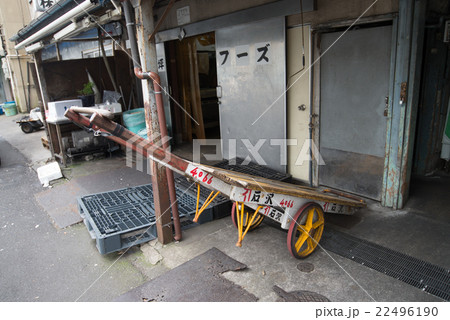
x=155 y=153
x=104 y=113
x=128 y=139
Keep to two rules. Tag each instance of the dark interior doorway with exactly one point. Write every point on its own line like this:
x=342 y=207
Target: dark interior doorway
x=193 y=82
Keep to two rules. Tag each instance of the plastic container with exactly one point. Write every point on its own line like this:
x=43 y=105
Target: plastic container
x=87 y=101
x=10 y=108
x=134 y=119
x=143 y=133
x=1 y=109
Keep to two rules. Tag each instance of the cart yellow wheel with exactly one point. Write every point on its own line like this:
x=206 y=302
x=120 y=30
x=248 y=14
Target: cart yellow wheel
x=247 y=216
x=305 y=230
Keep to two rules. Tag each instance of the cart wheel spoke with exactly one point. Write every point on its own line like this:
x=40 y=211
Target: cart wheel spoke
x=317 y=224
x=311 y=244
x=303 y=228
x=309 y=219
x=302 y=239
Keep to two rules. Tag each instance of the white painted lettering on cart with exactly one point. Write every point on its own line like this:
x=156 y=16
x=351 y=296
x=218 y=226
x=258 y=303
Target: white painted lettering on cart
x=272 y=213
x=333 y=207
x=256 y=196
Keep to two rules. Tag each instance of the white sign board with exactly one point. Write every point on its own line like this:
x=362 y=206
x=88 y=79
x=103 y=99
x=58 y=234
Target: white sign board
x=42 y=5
x=183 y=15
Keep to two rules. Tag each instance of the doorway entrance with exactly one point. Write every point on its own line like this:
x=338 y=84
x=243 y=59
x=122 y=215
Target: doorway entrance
x=353 y=109
x=192 y=73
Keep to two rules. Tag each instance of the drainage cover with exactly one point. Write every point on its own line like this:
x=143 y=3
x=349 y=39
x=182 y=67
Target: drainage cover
x=298 y=296
x=305 y=267
x=418 y=273
x=309 y=296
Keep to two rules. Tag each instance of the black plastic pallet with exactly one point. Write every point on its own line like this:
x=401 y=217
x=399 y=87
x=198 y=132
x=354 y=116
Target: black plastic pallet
x=122 y=218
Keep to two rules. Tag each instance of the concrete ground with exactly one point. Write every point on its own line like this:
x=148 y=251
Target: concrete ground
x=41 y=262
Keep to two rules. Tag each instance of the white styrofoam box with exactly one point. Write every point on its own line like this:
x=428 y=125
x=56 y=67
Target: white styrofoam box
x=56 y=109
x=113 y=107
x=48 y=173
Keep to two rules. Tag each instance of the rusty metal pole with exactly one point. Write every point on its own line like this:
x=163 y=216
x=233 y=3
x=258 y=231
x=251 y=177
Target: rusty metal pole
x=147 y=50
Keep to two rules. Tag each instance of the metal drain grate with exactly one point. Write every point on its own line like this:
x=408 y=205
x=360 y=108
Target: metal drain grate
x=418 y=273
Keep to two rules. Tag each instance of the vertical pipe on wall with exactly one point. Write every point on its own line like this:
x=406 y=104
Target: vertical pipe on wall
x=155 y=116
x=28 y=86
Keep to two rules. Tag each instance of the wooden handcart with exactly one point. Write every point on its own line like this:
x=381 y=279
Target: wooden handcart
x=298 y=209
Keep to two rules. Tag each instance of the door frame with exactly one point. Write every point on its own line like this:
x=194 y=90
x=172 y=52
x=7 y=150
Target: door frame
x=406 y=61
x=309 y=109
x=316 y=34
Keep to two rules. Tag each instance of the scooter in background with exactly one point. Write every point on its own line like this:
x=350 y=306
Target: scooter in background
x=32 y=122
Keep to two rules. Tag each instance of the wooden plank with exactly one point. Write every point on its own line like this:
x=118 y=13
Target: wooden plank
x=195 y=90
x=183 y=57
x=266 y=185
x=45 y=143
x=176 y=110
x=39 y=79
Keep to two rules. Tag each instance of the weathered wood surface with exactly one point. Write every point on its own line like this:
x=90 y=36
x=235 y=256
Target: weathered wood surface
x=266 y=185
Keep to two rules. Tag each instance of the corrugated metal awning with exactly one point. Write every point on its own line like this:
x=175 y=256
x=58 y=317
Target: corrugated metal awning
x=50 y=18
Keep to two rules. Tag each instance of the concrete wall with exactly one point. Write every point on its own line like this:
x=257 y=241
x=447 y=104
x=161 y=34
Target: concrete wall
x=327 y=10
x=339 y=10
x=20 y=82
x=205 y=9
x=14 y=15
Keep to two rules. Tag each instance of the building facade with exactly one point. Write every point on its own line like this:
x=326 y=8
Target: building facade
x=331 y=92
x=17 y=67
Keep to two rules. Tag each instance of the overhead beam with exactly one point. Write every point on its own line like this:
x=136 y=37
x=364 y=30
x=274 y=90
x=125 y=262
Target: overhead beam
x=266 y=11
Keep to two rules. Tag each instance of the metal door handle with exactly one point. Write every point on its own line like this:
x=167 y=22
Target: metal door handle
x=219 y=92
x=386 y=106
